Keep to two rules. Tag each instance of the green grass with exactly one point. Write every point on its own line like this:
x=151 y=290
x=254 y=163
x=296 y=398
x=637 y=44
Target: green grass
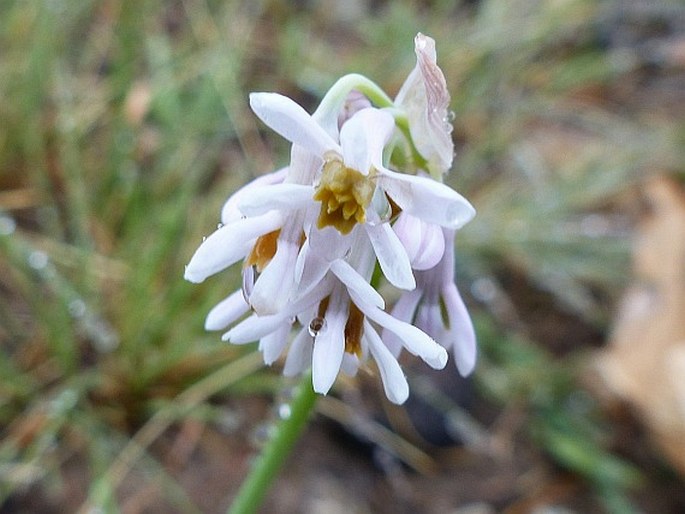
x=125 y=125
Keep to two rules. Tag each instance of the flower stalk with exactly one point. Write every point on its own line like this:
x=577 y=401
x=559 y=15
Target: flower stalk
x=274 y=454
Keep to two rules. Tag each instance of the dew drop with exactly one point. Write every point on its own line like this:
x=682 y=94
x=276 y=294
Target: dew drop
x=204 y=238
x=284 y=411
x=77 y=308
x=219 y=225
x=7 y=225
x=450 y=116
x=316 y=326
x=38 y=260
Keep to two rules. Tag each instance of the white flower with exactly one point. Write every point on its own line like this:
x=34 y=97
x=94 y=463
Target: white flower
x=354 y=185
x=337 y=332
x=425 y=99
x=436 y=307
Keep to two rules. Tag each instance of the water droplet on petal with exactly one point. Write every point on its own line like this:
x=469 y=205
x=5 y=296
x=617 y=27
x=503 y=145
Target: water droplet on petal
x=219 y=225
x=204 y=238
x=450 y=116
x=316 y=326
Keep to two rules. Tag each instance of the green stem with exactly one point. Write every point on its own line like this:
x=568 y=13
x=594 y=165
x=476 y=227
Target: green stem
x=276 y=451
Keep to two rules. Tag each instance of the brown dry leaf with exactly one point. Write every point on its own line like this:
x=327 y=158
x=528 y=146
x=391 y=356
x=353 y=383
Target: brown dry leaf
x=645 y=361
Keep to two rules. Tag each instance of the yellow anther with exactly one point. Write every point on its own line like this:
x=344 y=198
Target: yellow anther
x=344 y=193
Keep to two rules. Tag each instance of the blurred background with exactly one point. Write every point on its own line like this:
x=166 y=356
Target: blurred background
x=124 y=125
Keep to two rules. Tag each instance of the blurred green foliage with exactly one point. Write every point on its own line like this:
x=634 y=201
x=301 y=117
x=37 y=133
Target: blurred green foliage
x=125 y=125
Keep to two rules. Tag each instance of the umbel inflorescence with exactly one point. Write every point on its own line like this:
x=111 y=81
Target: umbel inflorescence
x=363 y=189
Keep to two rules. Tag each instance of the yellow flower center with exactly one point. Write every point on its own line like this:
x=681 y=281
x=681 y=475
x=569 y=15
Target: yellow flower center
x=344 y=194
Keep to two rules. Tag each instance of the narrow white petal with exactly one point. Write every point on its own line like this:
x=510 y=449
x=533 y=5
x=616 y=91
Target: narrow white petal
x=274 y=286
x=272 y=344
x=228 y=245
x=310 y=268
x=299 y=356
x=391 y=255
x=230 y=211
x=253 y=328
x=283 y=197
x=394 y=382
x=414 y=340
x=363 y=138
x=292 y=122
x=403 y=310
x=226 y=312
x=329 y=347
x=461 y=331
x=355 y=281
x=427 y=199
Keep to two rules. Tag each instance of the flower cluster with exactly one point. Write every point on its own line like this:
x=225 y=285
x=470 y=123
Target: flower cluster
x=363 y=189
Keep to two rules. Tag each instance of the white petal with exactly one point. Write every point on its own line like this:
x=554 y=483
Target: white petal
x=230 y=211
x=391 y=255
x=363 y=138
x=394 y=382
x=310 y=269
x=427 y=199
x=272 y=344
x=329 y=347
x=414 y=340
x=354 y=280
x=253 y=328
x=273 y=287
x=228 y=245
x=292 y=122
x=461 y=331
x=299 y=355
x=283 y=197
x=226 y=312
x=403 y=310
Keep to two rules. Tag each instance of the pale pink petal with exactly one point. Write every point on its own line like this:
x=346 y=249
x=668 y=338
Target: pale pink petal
x=424 y=242
x=226 y=312
x=228 y=245
x=461 y=331
x=394 y=382
x=427 y=199
x=292 y=122
x=425 y=99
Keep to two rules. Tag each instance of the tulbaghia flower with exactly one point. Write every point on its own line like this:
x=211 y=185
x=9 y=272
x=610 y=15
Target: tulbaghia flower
x=436 y=307
x=425 y=99
x=310 y=235
x=353 y=176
